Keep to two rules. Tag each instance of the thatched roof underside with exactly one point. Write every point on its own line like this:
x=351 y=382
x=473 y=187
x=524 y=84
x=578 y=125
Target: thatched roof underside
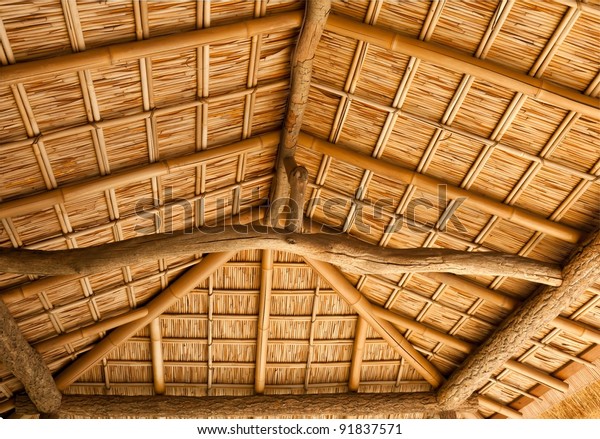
x=264 y=321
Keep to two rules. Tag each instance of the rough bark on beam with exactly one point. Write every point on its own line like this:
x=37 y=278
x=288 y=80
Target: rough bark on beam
x=315 y=18
x=339 y=249
x=336 y=405
x=26 y=364
x=581 y=272
x=298 y=178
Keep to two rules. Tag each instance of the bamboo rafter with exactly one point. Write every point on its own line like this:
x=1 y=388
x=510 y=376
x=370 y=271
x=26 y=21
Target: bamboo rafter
x=266 y=283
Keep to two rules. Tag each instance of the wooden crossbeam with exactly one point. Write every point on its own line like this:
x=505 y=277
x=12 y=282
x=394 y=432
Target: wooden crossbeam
x=339 y=249
x=450 y=58
x=338 y=405
x=385 y=329
x=580 y=273
x=26 y=364
x=472 y=199
x=315 y=18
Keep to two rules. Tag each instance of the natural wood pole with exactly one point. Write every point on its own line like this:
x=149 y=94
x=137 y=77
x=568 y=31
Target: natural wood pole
x=183 y=285
x=337 y=405
x=117 y=53
x=581 y=271
x=452 y=59
x=385 y=329
x=339 y=249
x=158 y=368
x=315 y=18
x=73 y=192
x=26 y=364
x=358 y=350
x=432 y=184
x=297 y=178
x=90 y=330
x=266 y=282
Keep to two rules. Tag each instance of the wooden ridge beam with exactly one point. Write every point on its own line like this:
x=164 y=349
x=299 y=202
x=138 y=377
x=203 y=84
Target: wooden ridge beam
x=384 y=328
x=288 y=174
x=337 y=405
x=339 y=249
x=581 y=272
x=73 y=192
x=266 y=283
x=472 y=199
x=462 y=62
x=26 y=364
x=178 y=289
x=117 y=53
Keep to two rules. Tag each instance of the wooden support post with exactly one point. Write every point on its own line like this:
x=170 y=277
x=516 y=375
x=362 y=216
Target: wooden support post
x=183 y=285
x=580 y=273
x=358 y=351
x=158 y=369
x=339 y=405
x=315 y=18
x=297 y=178
x=266 y=282
x=26 y=364
x=385 y=329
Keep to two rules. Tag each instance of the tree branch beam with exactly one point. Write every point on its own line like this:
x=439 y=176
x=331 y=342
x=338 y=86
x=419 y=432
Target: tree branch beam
x=337 y=405
x=26 y=364
x=339 y=249
x=316 y=14
x=384 y=328
x=298 y=179
x=541 y=308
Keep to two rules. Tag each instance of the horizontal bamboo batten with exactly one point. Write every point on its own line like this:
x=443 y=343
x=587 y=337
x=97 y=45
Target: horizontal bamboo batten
x=114 y=54
x=462 y=132
x=335 y=405
x=472 y=199
x=146 y=115
x=462 y=62
x=44 y=200
x=495 y=406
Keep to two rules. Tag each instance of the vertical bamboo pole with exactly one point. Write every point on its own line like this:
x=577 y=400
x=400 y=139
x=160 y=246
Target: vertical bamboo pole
x=158 y=369
x=266 y=282
x=358 y=350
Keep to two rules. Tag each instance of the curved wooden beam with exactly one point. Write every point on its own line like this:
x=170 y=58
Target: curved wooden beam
x=315 y=18
x=580 y=273
x=339 y=249
x=26 y=364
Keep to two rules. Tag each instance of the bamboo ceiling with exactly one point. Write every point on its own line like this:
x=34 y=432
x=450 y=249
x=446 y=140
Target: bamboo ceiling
x=460 y=125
